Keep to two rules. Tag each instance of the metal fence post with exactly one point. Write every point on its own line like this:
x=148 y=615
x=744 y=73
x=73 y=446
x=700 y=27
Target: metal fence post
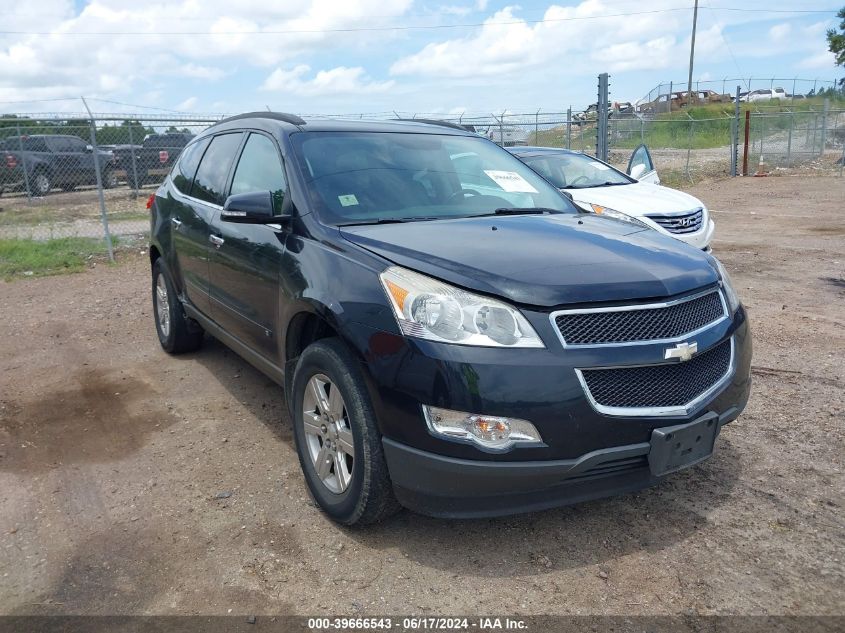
x=100 y=195
x=536 y=129
x=23 y=162
x=569 y=127
x=135 y=184
x=745 y=147
x=689 y=145
x=789 y=140
x=735 y=136
x=825 y=111
x=601 y=118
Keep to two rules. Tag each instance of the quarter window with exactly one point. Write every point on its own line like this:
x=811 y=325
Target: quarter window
x=210 y=180
x=259 y=169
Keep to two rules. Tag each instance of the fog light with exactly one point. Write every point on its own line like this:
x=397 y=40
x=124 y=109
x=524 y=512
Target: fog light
x=487 y=431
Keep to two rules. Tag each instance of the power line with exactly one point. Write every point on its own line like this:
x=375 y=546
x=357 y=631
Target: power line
x=417 y=27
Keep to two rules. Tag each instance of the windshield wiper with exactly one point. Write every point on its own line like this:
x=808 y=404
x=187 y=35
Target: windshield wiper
x=521 y=211
x=392 y=220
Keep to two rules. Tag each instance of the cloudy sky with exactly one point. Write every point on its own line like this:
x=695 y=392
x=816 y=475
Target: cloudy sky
x=351 y=56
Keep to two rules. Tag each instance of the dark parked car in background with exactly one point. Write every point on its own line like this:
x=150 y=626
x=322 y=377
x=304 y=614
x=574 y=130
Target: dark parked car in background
x=153 y=158
x=45 y=161
x=453 y=334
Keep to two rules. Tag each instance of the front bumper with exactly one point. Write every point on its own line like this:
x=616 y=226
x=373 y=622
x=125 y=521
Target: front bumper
x=585 y=454
x=460 y=488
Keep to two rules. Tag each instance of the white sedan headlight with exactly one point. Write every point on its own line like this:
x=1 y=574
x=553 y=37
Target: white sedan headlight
x=618 y=215
x=431 y=309
x=727 y=286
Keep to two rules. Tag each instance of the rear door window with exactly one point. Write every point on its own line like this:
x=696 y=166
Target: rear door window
x=213 y=172
x=184 y=170
x=35 y=144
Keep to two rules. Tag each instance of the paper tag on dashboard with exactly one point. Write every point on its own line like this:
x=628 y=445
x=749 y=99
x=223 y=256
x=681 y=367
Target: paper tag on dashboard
x=510 y=181
x=348 y=200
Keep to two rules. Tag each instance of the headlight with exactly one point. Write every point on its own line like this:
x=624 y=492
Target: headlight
x=727 y=286
x=618 y=215
x=431 y=309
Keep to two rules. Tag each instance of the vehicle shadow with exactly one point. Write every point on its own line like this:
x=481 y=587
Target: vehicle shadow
x=524 y=545
x=262 y=397
x=571 y=537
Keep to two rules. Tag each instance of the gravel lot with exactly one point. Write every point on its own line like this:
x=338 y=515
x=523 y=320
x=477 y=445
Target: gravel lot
x=133 y=482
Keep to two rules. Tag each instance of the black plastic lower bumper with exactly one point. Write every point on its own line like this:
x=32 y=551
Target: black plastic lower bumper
x=461 y=488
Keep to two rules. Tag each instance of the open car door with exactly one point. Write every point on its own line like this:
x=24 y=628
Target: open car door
x=641 y=166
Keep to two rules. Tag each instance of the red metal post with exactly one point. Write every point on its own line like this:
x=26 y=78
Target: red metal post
x=745 y=148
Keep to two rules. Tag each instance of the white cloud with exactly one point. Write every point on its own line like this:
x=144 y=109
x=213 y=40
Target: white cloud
x=336 y=81
x=195 y=71
x=779 y=32
x=56 y=59
x=188 y=104
x=819 y=60
x=568 y=38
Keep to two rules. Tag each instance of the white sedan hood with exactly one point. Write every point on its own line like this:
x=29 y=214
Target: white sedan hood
x=637 y=199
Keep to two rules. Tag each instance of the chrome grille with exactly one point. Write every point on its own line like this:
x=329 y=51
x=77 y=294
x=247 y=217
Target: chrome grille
x=651 y=322
x=658 y=388
x=679 y=223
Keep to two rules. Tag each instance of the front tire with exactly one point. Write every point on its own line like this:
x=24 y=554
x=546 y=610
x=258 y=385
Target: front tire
x=336 y=437
x=176 y=332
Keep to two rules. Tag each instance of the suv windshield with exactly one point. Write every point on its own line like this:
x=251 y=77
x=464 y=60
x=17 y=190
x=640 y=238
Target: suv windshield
x=386 y=176
x=576 y=171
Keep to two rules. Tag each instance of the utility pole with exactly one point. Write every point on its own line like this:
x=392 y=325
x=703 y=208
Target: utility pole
x=692 y=52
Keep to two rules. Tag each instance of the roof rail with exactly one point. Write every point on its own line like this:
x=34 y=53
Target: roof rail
x=276 y=116
x=454 y=126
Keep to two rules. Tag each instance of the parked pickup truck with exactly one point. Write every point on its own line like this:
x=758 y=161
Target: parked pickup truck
x=153 y=159
x=45 y=161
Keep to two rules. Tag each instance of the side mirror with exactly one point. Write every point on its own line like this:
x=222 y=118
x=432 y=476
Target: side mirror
x=255 y=207
x=89 y=148
x=637 y=170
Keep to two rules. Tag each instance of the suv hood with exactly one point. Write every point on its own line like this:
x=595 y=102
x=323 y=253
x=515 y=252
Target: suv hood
x=545 y=261
x=637 y=199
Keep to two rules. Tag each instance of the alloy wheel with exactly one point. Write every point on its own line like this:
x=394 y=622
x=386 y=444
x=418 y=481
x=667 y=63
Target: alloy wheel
x=328 y=434
x=162 y=306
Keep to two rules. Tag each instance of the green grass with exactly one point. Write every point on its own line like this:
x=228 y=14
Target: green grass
x=698 y=127
x=26 y=257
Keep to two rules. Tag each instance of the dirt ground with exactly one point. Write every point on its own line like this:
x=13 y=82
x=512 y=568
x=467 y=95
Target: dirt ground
x=133 y=482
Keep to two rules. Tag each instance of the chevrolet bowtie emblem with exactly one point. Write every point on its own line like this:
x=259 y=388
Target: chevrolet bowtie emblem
x=681 y=351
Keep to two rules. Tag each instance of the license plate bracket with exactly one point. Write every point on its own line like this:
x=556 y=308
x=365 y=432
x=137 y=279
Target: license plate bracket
x=683 y=445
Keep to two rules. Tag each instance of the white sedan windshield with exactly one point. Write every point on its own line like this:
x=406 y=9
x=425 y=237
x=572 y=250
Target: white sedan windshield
x=576 y=171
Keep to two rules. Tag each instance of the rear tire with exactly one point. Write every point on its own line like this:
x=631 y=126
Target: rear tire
x=109 y=178
x=337 y=428
x=40 y=183
x=176 y=332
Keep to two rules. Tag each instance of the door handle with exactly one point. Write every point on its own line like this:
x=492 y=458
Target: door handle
x=217 y=241
x=177 y=224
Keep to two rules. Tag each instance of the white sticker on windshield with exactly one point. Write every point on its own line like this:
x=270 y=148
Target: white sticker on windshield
x=600 y=166
x=510 y=181
x=348 y=200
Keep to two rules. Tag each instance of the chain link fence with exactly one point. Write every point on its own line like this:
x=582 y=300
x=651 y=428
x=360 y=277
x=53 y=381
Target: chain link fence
x=49 y=176
x=49 y=163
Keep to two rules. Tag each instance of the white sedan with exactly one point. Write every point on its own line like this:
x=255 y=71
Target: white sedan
x=636 y=197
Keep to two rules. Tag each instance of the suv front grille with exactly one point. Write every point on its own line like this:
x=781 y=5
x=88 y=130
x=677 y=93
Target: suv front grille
x=665 y=386
x=679 y=223
x=651 y=322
